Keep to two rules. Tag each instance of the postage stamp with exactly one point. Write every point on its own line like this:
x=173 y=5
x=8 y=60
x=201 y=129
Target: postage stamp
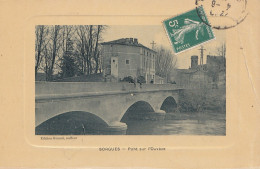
x=188 y=30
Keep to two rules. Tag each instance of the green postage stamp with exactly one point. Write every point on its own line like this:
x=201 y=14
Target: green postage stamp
x=188 y=30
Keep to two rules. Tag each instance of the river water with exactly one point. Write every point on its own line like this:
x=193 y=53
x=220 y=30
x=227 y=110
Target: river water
x=213 y=123
x=186 y=124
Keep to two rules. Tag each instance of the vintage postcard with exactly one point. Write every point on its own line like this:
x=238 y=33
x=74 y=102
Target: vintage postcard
x=105 y=84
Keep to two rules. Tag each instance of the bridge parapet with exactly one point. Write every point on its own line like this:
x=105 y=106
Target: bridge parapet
x=45 y=88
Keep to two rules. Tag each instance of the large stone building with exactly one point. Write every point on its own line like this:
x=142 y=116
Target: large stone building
x=127 y=57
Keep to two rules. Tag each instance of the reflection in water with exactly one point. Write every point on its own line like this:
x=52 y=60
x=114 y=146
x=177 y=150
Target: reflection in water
x=82 y=123
x=198 y=124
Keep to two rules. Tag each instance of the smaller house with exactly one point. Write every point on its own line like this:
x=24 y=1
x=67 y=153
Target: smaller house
x=212 y=74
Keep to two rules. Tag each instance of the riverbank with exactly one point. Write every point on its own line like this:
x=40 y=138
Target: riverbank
x=209 y=115
x=201 y=100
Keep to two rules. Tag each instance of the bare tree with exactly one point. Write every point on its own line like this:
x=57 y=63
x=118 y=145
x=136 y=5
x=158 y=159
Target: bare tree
x=51 y=51
x=52 y=45
x=84 y=43
x=96 y=46
x=165 y=62
x=88 y=48
x=41 y=33
x=222 y=50
x=81 y=32
x=67 y=34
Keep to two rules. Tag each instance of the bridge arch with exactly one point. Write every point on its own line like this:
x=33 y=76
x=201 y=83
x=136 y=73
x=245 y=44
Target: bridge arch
x=135 y=110
x=72 y=123
x=169 y=105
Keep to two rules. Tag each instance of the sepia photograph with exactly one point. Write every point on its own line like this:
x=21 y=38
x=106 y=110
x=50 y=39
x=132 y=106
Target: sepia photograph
x=127 y=80
x=130 y=84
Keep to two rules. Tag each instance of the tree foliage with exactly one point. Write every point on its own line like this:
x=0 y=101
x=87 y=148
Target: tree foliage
x=165 y=62
x=68 y=66
x=41 y=41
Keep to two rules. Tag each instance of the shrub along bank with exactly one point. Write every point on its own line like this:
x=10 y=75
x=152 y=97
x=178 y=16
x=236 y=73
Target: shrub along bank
x=203 y=100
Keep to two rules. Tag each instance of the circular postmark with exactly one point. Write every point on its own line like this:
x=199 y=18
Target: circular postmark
x=223 y=14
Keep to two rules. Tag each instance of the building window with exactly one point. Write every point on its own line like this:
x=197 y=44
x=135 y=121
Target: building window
x=113 y=60
x=127 y=62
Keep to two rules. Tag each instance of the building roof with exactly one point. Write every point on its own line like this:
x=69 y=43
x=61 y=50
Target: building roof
x=128 y=42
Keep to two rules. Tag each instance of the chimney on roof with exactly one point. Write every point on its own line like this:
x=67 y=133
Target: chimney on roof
x=131 y=40
x=135 y=41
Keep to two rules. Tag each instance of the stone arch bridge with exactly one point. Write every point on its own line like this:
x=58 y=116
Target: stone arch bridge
x=107 y=104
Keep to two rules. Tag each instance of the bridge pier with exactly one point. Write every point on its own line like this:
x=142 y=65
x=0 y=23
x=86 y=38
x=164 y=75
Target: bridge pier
x=159 y=114
x=118 y=128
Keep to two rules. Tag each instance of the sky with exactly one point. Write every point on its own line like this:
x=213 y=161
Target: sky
x=146 y=34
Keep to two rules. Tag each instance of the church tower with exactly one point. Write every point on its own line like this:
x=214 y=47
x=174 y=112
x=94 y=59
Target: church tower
x=194 y=62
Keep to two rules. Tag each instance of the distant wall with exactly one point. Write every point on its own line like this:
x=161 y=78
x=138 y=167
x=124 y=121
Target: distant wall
x=84 y=78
